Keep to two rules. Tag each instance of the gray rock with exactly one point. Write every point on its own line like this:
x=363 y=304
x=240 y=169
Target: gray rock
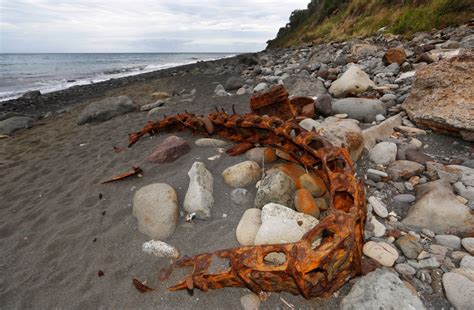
x=233 y=83
x=242 y=174
x=379 y=118
x=353 y=81
x=383 y=153
x=260 y=87
x=380 y=289
x=359 y=108
x=250 y=302
x=388 y=97
x=405 y=269
x=199 y=197
x=468 y=244
x=32 y=94
x=309 y=124
x=103 y=110
x=459 y=290
x=450 y=241
x=283 y=225
x=150 y=106
x=404 y=169
x=467 y=262
x=428 y=263
x=447 y=215
x=241 y=197
x=156 y=113
x=210 y=142
x=323 y=105
x=156 y=208
x=248 y=226
x=12 y=124
x=298 y=85
x=410 y=246
x=277 y=188
x=378 y=206
x=404 y=198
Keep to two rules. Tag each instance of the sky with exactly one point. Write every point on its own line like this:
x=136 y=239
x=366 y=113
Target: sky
x=82 y=26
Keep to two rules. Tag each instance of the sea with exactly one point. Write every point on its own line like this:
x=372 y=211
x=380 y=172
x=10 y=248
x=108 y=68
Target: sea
x=20 y=73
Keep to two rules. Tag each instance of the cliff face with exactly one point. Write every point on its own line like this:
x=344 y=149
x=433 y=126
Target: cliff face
x=327 y=20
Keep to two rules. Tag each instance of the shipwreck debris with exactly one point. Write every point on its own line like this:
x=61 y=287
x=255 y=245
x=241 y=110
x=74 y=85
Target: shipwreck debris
x=134 y=171
x=327 y=255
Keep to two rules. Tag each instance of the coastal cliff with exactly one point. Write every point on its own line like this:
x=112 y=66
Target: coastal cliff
x=335 y=20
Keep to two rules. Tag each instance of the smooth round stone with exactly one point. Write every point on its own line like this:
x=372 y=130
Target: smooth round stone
x=378 y=207
x=248 y=226
x=405 y=269
x=404 y=198
x=250 y=302
x=242 y=175
x=382 y=252
x=242 y=197
x=206 y=142
x=450 y=241
x=468 y=244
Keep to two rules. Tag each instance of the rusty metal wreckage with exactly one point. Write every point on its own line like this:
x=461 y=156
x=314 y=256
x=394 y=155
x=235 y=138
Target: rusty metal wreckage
x=329 y=254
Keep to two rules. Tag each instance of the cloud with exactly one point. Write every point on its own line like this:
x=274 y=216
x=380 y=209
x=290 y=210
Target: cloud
x=141 y=25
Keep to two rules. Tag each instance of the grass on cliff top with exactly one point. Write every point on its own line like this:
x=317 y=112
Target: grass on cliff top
x=361 y=18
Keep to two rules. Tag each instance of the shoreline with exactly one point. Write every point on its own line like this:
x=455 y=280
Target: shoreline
x=56 y=101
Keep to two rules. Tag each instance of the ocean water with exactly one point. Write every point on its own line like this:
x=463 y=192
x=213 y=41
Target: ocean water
x=20 y=73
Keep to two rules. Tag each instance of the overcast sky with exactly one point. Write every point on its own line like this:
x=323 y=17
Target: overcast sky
x=141 y=25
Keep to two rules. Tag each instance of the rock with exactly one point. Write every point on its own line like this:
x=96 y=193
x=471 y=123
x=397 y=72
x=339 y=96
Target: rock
x=312 y=183
x=379 y=118
x=250 y=302
x=383 y=153
x=210 y=142
x=380 y=289
x=382 y=252
x=160 y=95
x=468 y=244
x=261 y=154
x=156 y=208
x=378 y=207
x=379 y=228
x=359 y=108
x=283 y=225
x=388 y=97
x=103 y=110
x=199 y=197
x=459 y=290
x=404 y=198
x=242 y=175
x=442 y=95
x=438 y=252
x=12 y=124
x=361 y=51
x=410 y=246
x=323 y=105
x=353 y=81
x=156 y=113
x=276 y=187
x=447 y=215
x=160 y=249
x=467 y=262
x=150 y=106
x=241 y=91
x=405 y=269
x=298 y=85
x=305 y=203
x=233 y=83
x=429 y=263
x=417 y=156
x=394 y=55
x=260 y=87
x=241 y=197
x=404 y=169
x=450 y=241
x=248 y=226
x=343 y=132
x=32 y=94
x=380 y=131
x=309 y=124
x=169 y=150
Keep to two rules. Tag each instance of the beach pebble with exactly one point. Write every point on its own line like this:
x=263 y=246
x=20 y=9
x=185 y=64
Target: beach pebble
x=160 y=95
x=260 y=87
x=353 y=81
x=304 y=203
x=404 y=198
x=450 y=241
x=404 y=169
x=405 y=269
x=169 y=150
x=258 y=154
x=241 y=91
x=248 y=226
x=210 y=142
x=156 y=113
x=467 y=262
x=148 y=107
x=379 y=228
x=250 y=302
x=309 y=124
x=283 y=225
x=410 y=246
x=233 y=83
x=103 y=110
x=12 y=124
x=276 y=187
x=459 y=290
x=468 y=244
x=241 y=197
x=156 y=208
x=382 y=252
x=383 y=153
x=380 y=289
x=160 y=249
x=313 y=184
x=199 y=198
x=242 y=174
x=361 y=109
x=378 y=207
